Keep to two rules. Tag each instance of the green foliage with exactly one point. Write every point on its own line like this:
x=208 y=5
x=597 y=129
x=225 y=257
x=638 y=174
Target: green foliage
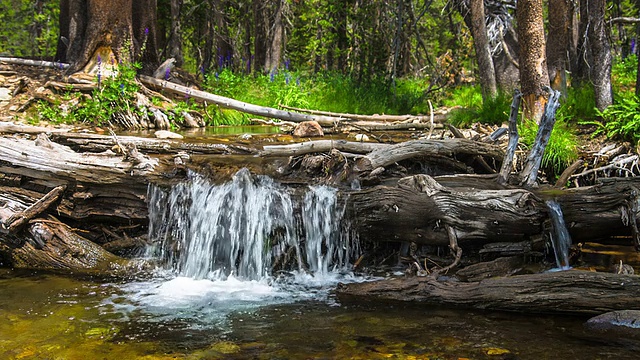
x=621 y=120
x=28 y=30
x=329 y=92
x=562 y=149
x=472 y=109
x=579 y=105
x=623 y=76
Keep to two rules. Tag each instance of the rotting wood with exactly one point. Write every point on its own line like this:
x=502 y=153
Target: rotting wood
x=17 y=220
x=567 y=173
x=507 y=163
x=567 y=292
x=391 y=154
x=529 y=174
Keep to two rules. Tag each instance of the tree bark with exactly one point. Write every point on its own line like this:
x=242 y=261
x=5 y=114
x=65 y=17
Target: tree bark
x=483 y=54
x=175 y=33
x=98 y=28
x=601 y=51
x=533 y=63
x=558 y=44
x=566 y=292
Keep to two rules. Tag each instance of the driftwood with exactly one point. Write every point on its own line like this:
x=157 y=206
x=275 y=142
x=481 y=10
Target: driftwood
x=391 y=154
x=383 y=118
x=236 y=104
x=419 y=209
x=529 y=174
x=568 y=292
x=507 y=163
x=20 y=61
x=17 y=220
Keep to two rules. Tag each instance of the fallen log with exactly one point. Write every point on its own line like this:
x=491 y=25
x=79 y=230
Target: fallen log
x=391 y=154
x=375 y=117
x=17 y=220
x=419 y=208
x=20 y=61
x=567 y=292
x=236 y=104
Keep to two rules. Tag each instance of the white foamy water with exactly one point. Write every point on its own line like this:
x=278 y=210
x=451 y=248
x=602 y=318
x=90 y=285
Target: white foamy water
x=240 y=245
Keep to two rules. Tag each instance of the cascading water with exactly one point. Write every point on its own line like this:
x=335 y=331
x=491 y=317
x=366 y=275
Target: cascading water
x=240 y=228
x=560 y=238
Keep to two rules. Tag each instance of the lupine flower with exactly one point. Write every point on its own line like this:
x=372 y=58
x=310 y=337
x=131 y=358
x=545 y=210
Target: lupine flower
x=122 y=89
x=287 y=79
x=217 y=75
x=272 y=76
x=146 y=31
x=286 y=64
x=167 y=73
x=202 y=71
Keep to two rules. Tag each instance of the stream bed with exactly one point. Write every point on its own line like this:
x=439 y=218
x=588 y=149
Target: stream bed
x=51 y=316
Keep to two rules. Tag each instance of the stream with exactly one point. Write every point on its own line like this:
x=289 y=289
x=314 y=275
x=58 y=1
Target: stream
x=245 y=270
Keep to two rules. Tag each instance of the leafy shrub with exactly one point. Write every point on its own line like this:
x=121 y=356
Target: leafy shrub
x=494 y=110
x=621 y=120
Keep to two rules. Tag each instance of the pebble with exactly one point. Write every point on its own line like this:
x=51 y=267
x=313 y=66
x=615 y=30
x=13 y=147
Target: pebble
x=164 y=134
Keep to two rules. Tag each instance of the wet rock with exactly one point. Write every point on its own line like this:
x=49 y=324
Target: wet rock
x=308 y=129
x=165 y=134
x=618 y=324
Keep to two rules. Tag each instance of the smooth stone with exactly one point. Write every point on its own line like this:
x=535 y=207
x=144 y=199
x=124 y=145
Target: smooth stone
x=5 y=94
x=618 y=324
x=165 y=134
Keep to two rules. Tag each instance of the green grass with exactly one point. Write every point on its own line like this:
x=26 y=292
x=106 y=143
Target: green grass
x=472 y=109
x=562 y=149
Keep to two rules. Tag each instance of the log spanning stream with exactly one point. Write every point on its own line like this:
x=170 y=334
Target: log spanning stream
x=245 y=271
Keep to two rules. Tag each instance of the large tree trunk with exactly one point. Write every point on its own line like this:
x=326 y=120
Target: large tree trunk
x=175 y=34
x=533 y=64
x=274 y=53
x=558 y=44
x=483 y=54
x=601 y=51
x=105 y=33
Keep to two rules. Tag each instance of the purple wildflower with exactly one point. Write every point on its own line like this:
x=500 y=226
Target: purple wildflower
x=287 y=79
x=217 y=75
x=99 y=60
x=272 y=76
x=122 y=89
x=146 y=31
x=167 y=73
x=286 y=64
x=633 y=46
x=248 y=65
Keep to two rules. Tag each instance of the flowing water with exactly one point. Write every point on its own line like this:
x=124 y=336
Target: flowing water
x=560 y=238
x=245 y=271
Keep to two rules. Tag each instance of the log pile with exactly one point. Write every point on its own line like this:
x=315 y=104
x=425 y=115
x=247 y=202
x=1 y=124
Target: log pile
x=450 y=207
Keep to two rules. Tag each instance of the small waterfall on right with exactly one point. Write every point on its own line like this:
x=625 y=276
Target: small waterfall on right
x=560 y=238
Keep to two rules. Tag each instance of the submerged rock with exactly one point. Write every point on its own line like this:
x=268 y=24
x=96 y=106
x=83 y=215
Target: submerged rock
x=164 y=134
x=308 y=129
x=621 y=324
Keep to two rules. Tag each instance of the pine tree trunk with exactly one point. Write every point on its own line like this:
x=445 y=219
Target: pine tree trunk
x=533 y=64
x=483 y=54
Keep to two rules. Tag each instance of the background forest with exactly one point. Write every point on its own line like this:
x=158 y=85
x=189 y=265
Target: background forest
x=391 y=56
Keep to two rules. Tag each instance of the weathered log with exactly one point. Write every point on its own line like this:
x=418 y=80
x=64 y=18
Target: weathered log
x=507 y=163
x=501 y=266
x=391 y=154
x=568 y=292
x=236 y=104
x=419 y=207
x=51 y=244
x=529 y=174
x=354 y=147
x=20 y=61
x=376 y=117
x=100 y=143
x=17 y=220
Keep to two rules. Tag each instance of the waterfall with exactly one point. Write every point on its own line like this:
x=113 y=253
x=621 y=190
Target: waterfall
x=245 y=226
x=560 y=238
